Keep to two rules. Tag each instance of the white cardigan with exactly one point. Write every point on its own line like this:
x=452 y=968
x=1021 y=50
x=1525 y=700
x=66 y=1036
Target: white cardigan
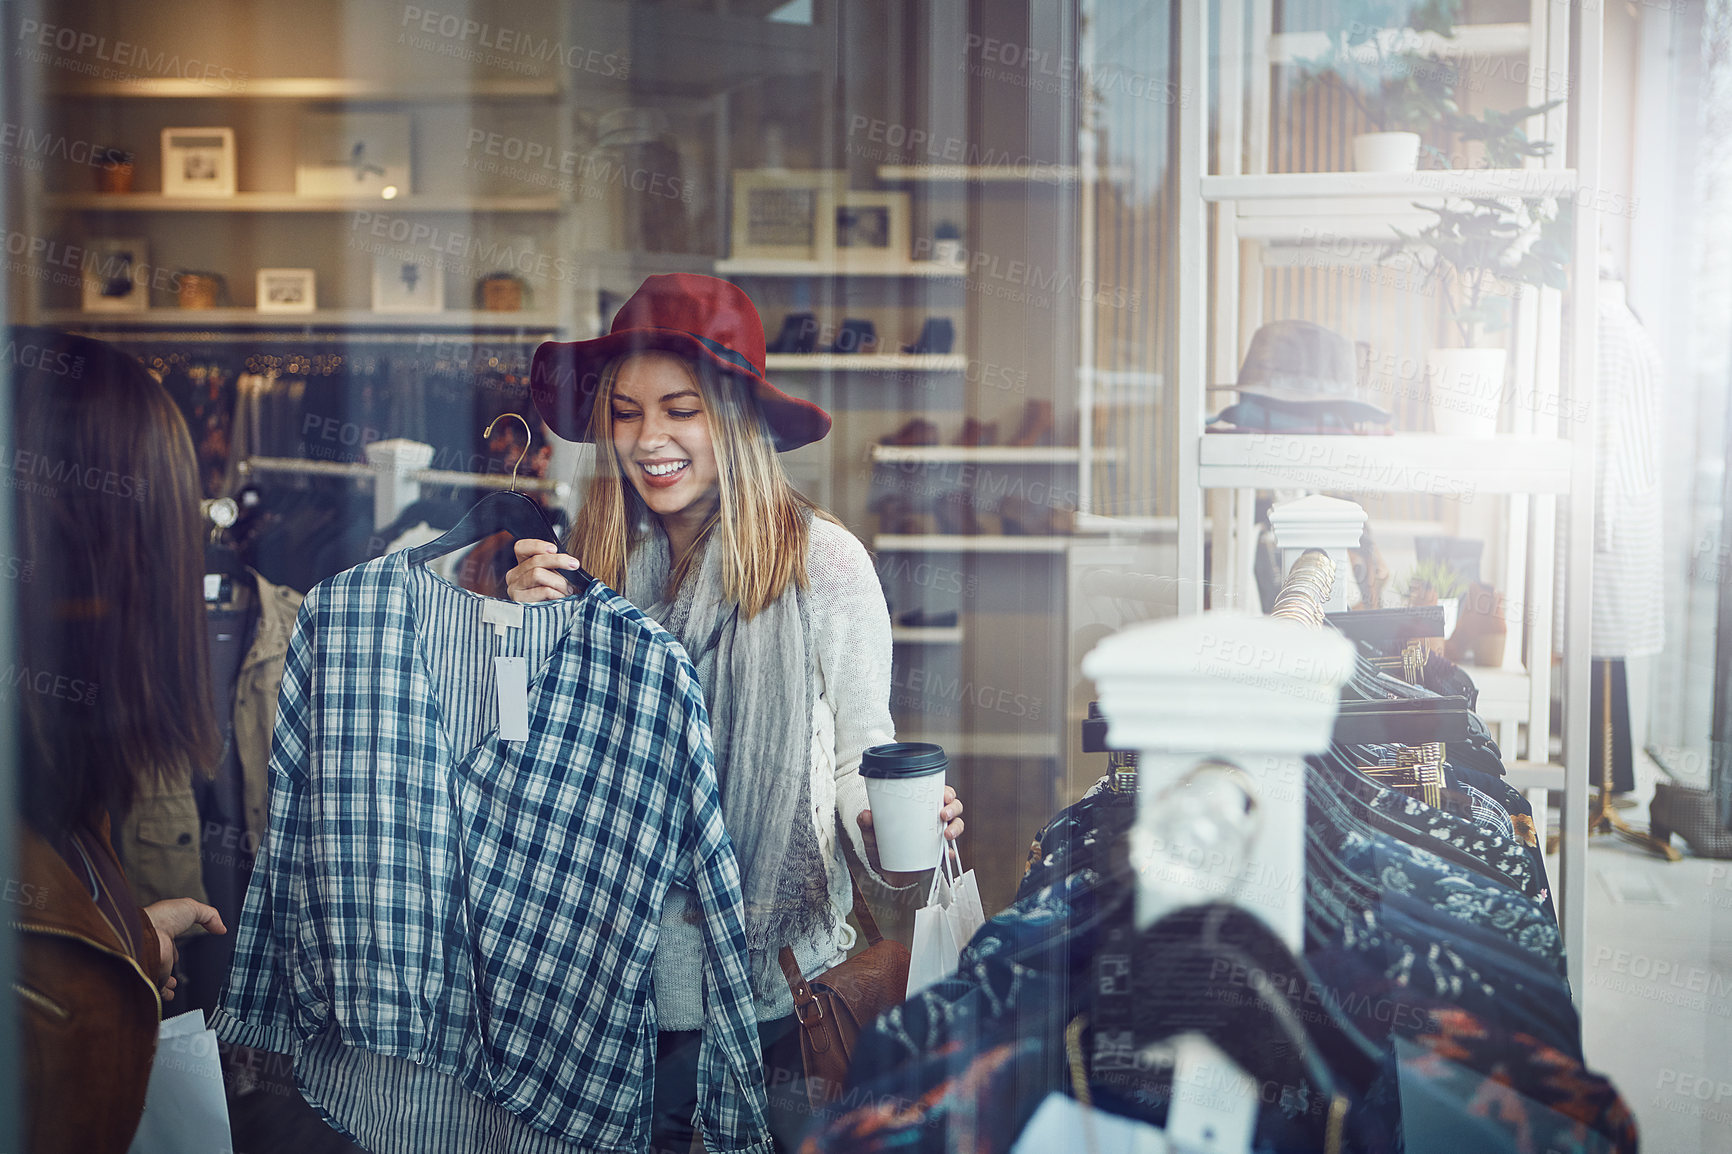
x=851 y=627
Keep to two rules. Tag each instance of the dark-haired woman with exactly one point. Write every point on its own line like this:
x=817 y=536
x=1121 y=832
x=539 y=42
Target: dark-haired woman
x=110 y=688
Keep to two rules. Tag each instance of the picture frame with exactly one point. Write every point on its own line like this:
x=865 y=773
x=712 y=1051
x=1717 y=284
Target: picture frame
x=784 y=214
x=198 y=162
x=287 y=290
x=116 y=275
x=402 y=285
x=871 y=227
x=353 y=155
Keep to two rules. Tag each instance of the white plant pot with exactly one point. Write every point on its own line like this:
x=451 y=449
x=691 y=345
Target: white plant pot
x=1386 y=152
x=1467 y=393
x=1451 y=607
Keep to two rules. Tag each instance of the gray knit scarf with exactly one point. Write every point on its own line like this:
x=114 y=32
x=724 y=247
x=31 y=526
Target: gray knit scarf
x=757 y=678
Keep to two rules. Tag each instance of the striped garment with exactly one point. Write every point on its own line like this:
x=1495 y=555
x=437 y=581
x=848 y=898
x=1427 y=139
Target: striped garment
x=1628 y=610
x=487 y=910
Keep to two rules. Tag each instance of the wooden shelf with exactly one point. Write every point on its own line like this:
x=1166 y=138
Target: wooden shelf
x=1457 y=467
x=913 y=268
x=309 y=88
x=1031 y=173
x=926 y=634
x=957 y=543
x=987 y=744
x=288 y=202
x=987 y=454
x=450 y=319
x=1404 y=186
x=867 y=362
x=1469 y=40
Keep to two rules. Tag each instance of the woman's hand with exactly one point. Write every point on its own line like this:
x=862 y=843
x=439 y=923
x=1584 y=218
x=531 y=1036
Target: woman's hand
x=952 y=814
x=170 y=919
x=537 y=576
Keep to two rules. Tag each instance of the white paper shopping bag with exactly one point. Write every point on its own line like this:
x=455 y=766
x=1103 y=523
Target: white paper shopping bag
x=184 y=1108
x=950 y=918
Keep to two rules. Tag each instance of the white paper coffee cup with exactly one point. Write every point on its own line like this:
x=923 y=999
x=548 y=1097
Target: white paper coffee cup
x=905 y=791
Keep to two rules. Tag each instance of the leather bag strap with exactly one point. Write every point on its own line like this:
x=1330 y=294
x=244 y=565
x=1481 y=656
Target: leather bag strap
x=863 y=915
x=807 y=1008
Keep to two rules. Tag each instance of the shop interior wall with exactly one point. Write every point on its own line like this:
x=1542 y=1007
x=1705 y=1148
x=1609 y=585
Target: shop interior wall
x=1000 y=699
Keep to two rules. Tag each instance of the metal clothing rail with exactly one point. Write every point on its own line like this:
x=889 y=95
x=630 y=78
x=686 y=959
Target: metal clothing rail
x=364 y=471
x=1306 y=591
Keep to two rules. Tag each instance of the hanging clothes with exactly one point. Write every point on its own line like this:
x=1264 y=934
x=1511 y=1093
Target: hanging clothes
x=1628 y=603
x=485 y=909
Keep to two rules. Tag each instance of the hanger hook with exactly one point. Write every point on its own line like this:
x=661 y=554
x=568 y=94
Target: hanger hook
x=528 y=436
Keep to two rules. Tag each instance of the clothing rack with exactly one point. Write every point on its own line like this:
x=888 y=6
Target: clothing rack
x=363 y=471
x=397 y=468
x=1307 y=590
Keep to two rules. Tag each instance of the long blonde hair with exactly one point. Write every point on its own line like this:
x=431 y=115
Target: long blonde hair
x=760 y=523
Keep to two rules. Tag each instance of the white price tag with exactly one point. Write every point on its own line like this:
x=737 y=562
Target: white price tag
x=512 y=675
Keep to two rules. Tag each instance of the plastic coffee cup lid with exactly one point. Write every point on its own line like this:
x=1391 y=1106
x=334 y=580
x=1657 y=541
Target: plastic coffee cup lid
x=903 y=759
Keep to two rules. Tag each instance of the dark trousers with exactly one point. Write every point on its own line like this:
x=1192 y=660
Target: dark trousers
x=676 y=1090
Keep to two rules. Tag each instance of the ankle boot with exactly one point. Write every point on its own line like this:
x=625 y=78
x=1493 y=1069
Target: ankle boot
x=937 y=335
x=977 y=433
x=917 y=431
x=799 y=334
x=1037 y=425
x=1693 y=815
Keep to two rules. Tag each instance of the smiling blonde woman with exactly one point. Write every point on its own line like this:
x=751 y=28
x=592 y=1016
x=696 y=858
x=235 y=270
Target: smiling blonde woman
x=693 y=518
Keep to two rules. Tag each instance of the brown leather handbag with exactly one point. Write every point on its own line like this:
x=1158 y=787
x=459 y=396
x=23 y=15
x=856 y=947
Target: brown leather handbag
x=838 y=1004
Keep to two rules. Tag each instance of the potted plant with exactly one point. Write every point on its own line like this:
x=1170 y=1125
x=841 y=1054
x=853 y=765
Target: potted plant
x=1402 y=92
x=1474 y=256
x=1434 y=583
x=113 y=169
x=1505 y=140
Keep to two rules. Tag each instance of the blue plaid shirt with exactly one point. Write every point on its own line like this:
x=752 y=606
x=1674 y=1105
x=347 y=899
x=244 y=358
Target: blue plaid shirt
x=492 y=914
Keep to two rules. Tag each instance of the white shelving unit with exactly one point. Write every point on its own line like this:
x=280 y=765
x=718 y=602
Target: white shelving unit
x=957 y=543
x=982 y=454
x=287 y=202
x=926 y=634
x=300 y=88
x=818 y=268
x=867 y=362
x=458 y=319
x=1241 y=220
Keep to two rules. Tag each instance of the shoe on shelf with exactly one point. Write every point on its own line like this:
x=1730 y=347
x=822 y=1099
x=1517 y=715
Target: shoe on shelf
x=917 y=431
x=855 y=336
x=1036 y=427
x=799 y=334
x=926 y=619
x=937 y=335
x=976 y=433
x=1693 y=815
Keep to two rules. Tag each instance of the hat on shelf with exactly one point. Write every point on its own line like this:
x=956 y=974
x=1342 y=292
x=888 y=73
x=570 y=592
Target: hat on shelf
x=698 y=317
x=1304 y=370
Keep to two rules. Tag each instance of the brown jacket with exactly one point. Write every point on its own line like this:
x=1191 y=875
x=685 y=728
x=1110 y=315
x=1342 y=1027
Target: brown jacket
x=159 y=840
x=88 y=1010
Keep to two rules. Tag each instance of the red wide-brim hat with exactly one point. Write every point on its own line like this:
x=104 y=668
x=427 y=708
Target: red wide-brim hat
x=699 y=317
